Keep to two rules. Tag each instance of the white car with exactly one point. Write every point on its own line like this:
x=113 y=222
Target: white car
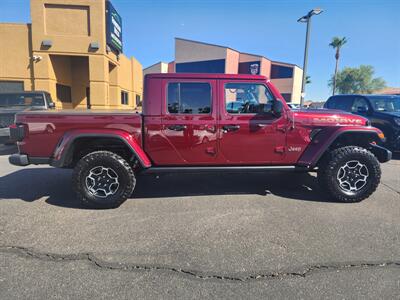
x=293 y=106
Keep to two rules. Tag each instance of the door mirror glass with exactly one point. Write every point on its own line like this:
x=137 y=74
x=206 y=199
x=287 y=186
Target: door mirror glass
x=52 y=105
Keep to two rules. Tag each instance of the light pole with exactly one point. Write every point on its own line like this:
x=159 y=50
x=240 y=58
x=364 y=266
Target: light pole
x=306 y=19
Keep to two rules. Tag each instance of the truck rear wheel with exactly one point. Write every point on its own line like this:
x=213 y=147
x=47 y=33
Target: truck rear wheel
x=349 y=174
x=103 y=179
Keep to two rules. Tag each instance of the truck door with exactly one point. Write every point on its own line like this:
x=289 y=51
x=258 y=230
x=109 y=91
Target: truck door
x=249 y=132
x=189 y=123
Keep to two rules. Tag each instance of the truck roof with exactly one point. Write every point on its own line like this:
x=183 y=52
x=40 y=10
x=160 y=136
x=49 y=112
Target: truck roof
x=23 y=92
x=206 y=76
x=366 y=95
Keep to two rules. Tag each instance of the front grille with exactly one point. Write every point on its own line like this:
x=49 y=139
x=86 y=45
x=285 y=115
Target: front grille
x=6 y=120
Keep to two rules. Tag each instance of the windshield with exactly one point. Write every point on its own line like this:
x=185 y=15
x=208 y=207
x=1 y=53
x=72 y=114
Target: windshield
x=386 y=104
x=26 y=99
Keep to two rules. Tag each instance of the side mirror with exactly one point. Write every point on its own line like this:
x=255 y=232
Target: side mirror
x=277 y=108
x=52 y=105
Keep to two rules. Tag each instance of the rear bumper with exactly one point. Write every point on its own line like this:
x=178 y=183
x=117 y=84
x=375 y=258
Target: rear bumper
x=5 y=132
x=24 y=160
x=18 y=159
x=5 y=135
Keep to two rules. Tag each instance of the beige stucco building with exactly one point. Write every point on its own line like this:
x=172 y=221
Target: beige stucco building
x=199 y=57
x=65 y=51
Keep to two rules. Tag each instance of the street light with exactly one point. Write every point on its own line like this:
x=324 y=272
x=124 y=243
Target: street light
x=306 y=19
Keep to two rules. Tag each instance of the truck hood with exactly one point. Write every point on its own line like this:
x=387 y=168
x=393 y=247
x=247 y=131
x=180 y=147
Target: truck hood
x=12 y=109
x=387 y=113
x=327 y=117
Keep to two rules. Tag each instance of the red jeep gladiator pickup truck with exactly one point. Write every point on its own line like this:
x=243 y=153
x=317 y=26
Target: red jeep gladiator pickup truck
x=202 y=122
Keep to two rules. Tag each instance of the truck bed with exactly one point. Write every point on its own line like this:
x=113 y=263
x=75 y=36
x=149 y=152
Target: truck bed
x=46 y=128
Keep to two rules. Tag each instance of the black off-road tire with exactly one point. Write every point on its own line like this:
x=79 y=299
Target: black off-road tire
x=118 y=165
x=332 y=162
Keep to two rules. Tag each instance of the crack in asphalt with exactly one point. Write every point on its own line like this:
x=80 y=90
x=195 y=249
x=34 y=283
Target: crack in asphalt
x=306 y=271
x=390 y=187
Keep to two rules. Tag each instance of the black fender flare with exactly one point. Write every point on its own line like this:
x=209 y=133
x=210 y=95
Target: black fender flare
x=325 y=138
x=62 y=155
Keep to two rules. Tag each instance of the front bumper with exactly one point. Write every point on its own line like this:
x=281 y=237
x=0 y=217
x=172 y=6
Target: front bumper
x=396 y=142
x=381 y=153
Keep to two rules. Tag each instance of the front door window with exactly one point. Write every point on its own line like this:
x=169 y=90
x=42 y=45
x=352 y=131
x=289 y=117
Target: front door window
x=247 y=98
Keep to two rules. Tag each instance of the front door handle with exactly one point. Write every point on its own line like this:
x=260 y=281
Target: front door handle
x=227 y=128
x=177 y=127
x=281 y=127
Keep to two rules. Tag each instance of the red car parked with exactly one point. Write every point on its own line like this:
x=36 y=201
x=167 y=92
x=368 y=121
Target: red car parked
x=202 y=122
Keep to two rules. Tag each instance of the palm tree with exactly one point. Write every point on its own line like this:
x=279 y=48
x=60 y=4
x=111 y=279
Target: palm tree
x=337 y=43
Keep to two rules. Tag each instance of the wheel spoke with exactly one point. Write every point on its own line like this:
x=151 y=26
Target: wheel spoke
x=102 y=182
x=352 y=176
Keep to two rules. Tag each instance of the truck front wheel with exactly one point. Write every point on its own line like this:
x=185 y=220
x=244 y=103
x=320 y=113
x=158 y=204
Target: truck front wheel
x=349 y=174
x=103 y=179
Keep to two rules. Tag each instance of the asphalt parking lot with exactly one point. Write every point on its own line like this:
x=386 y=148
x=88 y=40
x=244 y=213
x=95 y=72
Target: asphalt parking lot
x=197 y=236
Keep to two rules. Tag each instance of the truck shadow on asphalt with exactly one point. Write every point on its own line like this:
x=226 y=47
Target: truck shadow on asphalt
x=55 y=186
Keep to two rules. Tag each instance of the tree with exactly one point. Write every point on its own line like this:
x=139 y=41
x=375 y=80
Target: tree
x=336 y=44
x=357 y=80
x=308 y=79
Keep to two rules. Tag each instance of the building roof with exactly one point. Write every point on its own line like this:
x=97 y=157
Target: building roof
x=225 y=47
x=160 y=62
x=389 y=91
x=203 y=43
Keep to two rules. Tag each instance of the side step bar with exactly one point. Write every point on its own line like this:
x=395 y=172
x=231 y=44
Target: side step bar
x=228 y=169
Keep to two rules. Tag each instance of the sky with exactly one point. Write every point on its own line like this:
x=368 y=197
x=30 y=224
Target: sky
x=263 y=27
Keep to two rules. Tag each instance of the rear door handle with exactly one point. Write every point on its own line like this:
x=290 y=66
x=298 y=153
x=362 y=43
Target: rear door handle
x=227 y=128
x=177 y=127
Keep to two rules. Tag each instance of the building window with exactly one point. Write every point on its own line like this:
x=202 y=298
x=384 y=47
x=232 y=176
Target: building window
x=63 y=93
x=11 y=86
x=287 y=96
x=124 y=98
x=138 y=101
x=189 y=98
x=207 y=66
x=247 y=98
x=251 y=67
x=278 y=71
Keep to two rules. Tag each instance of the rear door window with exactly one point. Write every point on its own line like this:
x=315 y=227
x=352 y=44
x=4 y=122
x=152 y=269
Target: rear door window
x=189 y=98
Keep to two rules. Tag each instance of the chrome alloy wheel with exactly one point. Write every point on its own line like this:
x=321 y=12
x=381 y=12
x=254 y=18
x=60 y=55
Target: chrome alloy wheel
x=102 y=182
x=353 y=176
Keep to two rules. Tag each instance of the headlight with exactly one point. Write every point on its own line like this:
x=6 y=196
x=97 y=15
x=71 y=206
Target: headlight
x=397 y=121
